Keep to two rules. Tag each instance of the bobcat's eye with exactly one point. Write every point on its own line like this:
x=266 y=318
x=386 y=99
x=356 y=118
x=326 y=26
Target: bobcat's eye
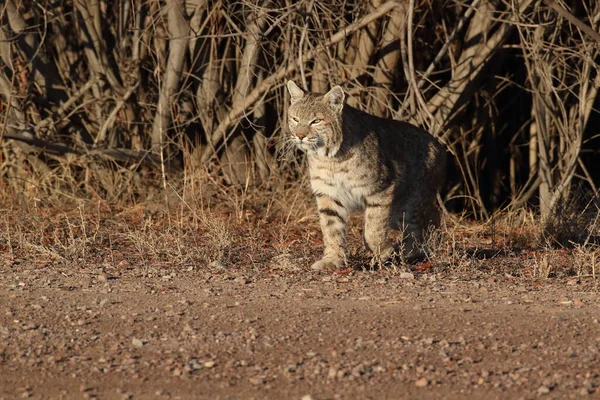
x=295 y=119
x=316 y=121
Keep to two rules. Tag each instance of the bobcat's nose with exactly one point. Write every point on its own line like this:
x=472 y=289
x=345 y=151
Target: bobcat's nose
x=301 y=132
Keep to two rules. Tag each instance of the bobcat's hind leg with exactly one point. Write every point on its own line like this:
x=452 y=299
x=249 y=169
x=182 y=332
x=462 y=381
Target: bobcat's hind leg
x=333 y=217
x=377 y=220
x=416 y=222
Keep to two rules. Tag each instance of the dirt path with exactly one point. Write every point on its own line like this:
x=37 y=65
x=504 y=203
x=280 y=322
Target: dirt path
x=82 y=332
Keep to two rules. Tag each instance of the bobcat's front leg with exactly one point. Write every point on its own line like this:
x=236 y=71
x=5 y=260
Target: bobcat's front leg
x=333 y=217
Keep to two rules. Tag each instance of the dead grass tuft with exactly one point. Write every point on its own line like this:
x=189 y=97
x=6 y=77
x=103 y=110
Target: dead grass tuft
x=574 y=221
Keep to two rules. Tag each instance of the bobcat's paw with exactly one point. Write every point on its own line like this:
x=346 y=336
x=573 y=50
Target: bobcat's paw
x=327 y=265
x=384 y=257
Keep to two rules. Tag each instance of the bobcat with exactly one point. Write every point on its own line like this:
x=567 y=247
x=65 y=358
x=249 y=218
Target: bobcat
x=390 y=169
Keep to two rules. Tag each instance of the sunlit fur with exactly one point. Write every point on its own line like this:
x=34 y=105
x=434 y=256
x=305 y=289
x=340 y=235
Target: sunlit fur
x=390 y=169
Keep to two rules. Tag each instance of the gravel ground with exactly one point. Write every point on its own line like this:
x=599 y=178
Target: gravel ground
x=84 y=331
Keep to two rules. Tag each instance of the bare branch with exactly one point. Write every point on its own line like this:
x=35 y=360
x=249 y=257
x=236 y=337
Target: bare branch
x=574 y=20
x=471 y=61
x=178 y=33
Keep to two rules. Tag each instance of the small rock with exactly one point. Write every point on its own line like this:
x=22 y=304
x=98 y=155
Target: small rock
x=137 y=342
x=543 y=390
x=256 y=380
x=210 y=364
x=307 y=397
x=332 y=373
x=583 y=392
x=291 y=368
x=422 y=382
x=217 y=265
x=195 y=364
x=406 y=275
x=578 y=303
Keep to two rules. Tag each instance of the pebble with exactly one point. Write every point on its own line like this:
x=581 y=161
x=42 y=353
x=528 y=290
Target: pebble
x=332 y=373
x=210 y=364
x=543 y=390
x=195 y=364
x=217 y=265
x=307 y=397
x=421 y=382
x=137 y=342
x=256 y=381
x=406 y=275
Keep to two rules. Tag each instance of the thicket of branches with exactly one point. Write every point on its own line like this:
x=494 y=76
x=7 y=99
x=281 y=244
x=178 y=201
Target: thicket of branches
x=99 y=96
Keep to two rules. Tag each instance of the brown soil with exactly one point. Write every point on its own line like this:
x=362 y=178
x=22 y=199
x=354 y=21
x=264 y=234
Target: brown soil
x=78 y=332
x=122 y=324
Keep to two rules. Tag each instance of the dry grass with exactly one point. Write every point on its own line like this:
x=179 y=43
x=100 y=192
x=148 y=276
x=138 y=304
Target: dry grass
x=223 y=191
x=277 y=230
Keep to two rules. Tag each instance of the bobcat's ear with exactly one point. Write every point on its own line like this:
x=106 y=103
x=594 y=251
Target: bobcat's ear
x=335 y=99
x=295 y=92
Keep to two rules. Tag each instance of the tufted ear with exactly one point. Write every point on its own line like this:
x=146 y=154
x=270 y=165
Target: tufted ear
x=335 y=99
x=295 y=92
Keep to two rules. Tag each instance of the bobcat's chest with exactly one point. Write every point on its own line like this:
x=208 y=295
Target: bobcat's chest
x=342 y=181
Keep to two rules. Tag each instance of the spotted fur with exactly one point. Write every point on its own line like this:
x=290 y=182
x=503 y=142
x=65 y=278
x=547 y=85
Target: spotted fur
x=390 y=169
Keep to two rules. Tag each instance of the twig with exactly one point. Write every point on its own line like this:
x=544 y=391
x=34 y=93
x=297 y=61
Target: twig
x=279 y=19
x=50 y=147
x=60 y=149
x=446 y=45
x=573 y=19
x=301 y=44
x=111 y=117
x=471 y=63
x=64 y=106
x=433 y=126
x=97 y=54
x=409 y=99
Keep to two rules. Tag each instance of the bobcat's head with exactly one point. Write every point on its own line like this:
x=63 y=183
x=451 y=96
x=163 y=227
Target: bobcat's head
x=315 y=120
